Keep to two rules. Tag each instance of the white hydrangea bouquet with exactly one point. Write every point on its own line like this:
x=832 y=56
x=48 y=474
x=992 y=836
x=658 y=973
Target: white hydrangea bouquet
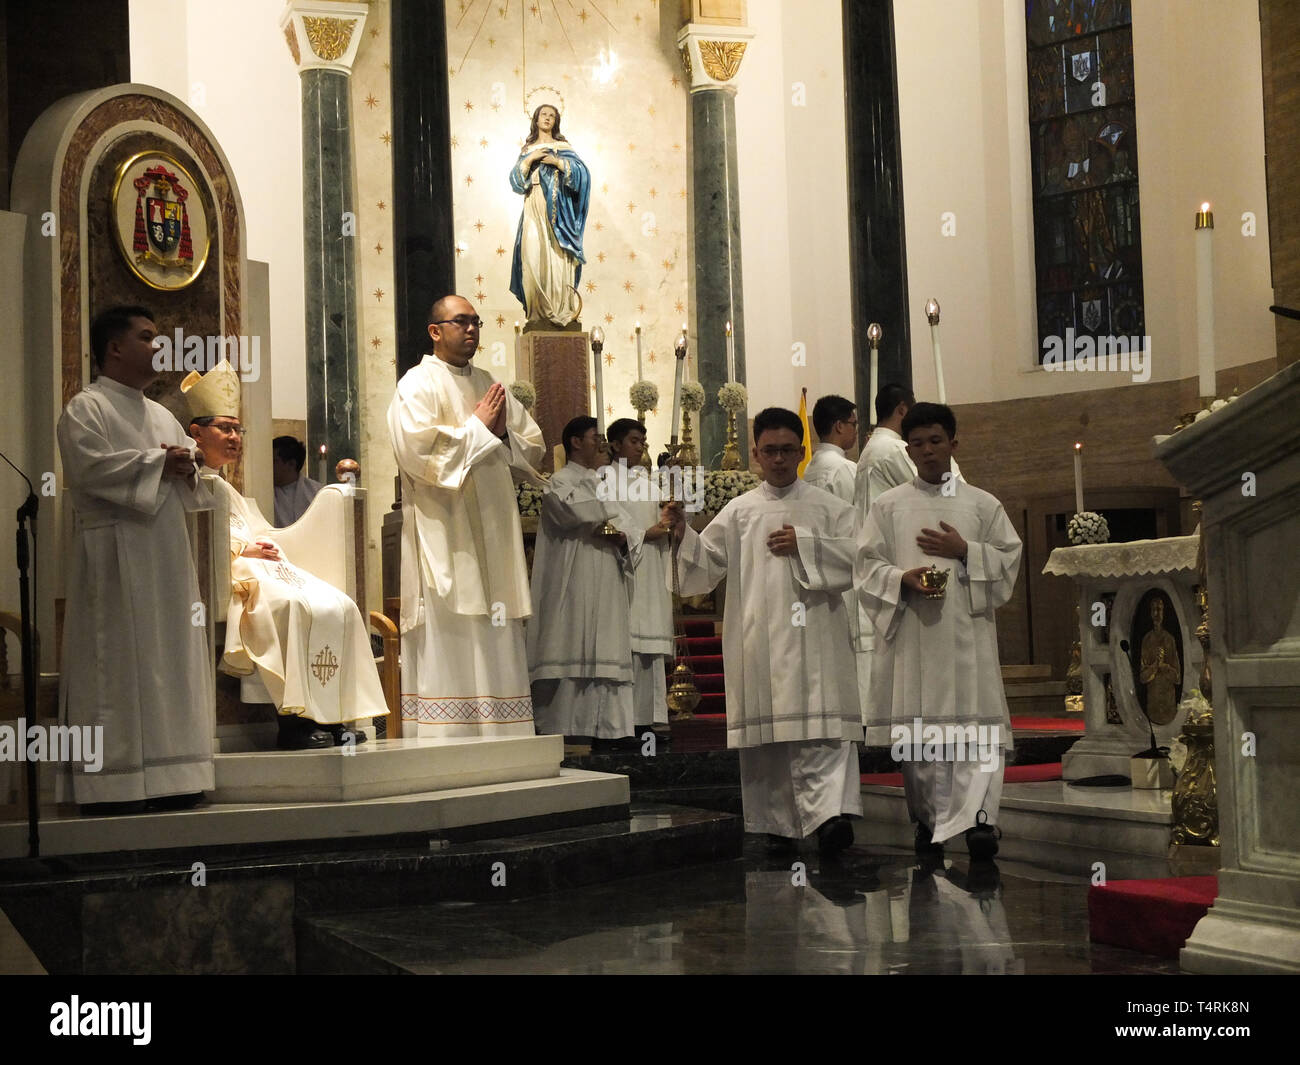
x=644 y=396
x=692 y=396
x=722 y=486
x=525 y=393
x=732 y=397
x=529 y=497
x=1087 y=527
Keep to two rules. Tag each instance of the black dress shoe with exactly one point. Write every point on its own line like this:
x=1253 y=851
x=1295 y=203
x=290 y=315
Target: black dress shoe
x=834 y=835
x=175 y=802
x=302 y=734
x=781 y=844
x=111 y=809
x=341 y=734
x=925 y=846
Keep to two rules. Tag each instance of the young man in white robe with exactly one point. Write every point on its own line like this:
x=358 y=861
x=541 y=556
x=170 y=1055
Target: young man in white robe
x=579 y=641
x=134 y=662
x=294 y=490
x=937 y=695
x=636 y=496
x=835 y=420
x=461 y=442
x=792 y=698
x=305 y=639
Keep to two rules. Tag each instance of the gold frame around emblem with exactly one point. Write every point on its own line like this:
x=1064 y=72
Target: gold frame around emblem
x=128 y=255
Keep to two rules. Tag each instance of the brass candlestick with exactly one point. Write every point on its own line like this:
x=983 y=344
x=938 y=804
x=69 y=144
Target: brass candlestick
x=683 y=695
x=687 y=454
x=731 y=453
x=645 y=450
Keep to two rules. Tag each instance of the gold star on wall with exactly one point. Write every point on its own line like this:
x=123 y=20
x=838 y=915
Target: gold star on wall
x=583 y=16
x=375 y=342
x=379 y=294
x=591 y=287
x=479 y=296
x=600 y=256
x=651 y=110
x=631 y=147
x=652 y=354
x=631 y=256
x=455 y=142
x=479 y=225
x=482 y=143
x=678 y=307
x=676 y=81
x=372 y=100
x=374 y=32
x=469 y=180
x=598 y=226
x=609 y=319
x=387 y=138
x=628 y=286
x=478 y=279
x=667 y=264
x=469 y=106
x=381 y=205
x=379 y=249
x=641 y=307
x=609 y=409
x=630 y=207
x=501 y=320
x=609 y=358
x=500 y=250
x=492 y=42
x=654 y=193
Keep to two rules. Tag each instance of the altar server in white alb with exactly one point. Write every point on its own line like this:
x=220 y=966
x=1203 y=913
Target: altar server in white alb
x=786 y=549
x=650 y=547
x=461 y=441
x=304 y=638
x=936 y=693
x=134 y=661
x=836 y=421
x=579 y=647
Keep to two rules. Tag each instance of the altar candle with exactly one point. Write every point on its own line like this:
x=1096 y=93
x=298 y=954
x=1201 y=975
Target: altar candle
x=639 y=375
x=519 y=340
x=932 y=313
x=874 y=333
x=731 y=354
x=321 y=476
x=1205 y=299
x=1078 y=477
x=677 y=383
x=597 y=346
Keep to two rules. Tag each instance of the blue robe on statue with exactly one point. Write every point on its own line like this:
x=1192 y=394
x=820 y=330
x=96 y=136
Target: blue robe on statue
x=547 y=266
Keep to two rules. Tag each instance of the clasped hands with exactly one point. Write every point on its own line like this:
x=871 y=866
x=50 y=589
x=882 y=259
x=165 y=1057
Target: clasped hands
x=945 y=544
x=266 y=549
x=491 y=409
x=179 y=462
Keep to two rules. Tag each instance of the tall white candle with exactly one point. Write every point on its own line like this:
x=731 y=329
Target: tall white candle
x=874 y=333
x=932 y=314
x=597 y=347
x=519 y=340
x=1205 y=299
x=639 y=375
x=321 y=473
x=677 y=383
x=1078 y=478
x=731 y=354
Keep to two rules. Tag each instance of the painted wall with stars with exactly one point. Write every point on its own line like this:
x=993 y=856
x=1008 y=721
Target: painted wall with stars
x=625 y=114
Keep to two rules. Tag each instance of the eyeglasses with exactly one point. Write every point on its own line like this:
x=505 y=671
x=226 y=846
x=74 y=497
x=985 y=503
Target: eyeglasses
x=462 y=321
x=779 y=452
x=229 y=430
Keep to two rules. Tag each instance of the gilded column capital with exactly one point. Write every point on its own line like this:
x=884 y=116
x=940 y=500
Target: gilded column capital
x=322 y=34
x=711 y=55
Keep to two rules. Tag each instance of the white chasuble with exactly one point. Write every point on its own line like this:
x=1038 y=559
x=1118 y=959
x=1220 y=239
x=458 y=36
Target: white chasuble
x=791 y=688
x=652 y=606
x=579 y=631
x=305 y=638
x=464 y=581
x=134 y=662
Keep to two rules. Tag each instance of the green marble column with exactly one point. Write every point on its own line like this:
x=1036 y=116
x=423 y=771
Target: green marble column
x=323 y=39
x=712 y=59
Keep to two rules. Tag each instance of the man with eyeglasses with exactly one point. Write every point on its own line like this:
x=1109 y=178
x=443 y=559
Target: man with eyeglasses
x=836 y=421
x=134 y=662
x=461 y=442
x=792 y=696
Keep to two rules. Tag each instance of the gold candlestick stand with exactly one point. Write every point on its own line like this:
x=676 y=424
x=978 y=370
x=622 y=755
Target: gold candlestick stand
x=645 y=451
x=731 y=453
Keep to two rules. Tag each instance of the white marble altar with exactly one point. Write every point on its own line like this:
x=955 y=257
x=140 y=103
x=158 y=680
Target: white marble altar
x=1126 y=572
x=1243 y=462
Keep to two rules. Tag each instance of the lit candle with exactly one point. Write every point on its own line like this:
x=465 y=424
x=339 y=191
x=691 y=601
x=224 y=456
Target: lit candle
x=519 y=340
x=597 y=346
x=1078 y=477
x=677 y=383
x=932 y=313
x=1205 y=300
x=639 y=375
x=731 y=354
x=321 y=476
x=874 y=333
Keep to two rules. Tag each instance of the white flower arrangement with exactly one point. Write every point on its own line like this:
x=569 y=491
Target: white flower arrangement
x=525 y=393
x=692 y=396
x=529 y=498
x=1088 y=527
x=732 y=397
x=644 y=395
x=722 y=486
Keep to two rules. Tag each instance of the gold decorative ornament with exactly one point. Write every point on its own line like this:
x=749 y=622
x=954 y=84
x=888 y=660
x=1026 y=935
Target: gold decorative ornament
x=686 y=454
x=722 y=58
x=1195 y=799
x=543 y=96
x=934 y=582
x=731 y=452
x=685 y=53
x=291 y=38
x=214 y=394
x=329 y=37
x=160 y=220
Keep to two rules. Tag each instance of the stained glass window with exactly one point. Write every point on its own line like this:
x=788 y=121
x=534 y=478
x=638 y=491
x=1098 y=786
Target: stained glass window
x=1083 y=144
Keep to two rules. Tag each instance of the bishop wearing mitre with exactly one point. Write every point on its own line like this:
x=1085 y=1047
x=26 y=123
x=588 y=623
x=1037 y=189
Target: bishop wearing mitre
x=304 y=638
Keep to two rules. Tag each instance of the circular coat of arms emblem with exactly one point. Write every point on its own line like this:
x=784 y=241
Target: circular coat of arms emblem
x=160 y=221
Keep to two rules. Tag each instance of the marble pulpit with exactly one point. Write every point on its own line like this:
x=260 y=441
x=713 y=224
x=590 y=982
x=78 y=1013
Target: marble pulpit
x=1135 y=669
x=1243 y=462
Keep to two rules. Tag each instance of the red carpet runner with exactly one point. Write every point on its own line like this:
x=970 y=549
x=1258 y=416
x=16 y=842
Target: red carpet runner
x=1150 y=916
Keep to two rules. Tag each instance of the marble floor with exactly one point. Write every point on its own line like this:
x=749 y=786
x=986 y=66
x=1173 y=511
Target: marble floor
x=872 y=912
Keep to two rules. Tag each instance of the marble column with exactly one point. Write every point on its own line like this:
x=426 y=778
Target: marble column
x=878 y=251
x=323 y=38
x=424 y=254
x=1243 y=462
x=711 y=55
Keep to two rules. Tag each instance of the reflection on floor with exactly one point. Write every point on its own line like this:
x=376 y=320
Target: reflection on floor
x=873 y=912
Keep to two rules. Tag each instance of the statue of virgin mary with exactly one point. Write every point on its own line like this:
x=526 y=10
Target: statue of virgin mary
x=548 y=257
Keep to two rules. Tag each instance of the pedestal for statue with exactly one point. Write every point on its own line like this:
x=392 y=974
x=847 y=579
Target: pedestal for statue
x=1118 y=583
x=557 y=365
x=1243 y=462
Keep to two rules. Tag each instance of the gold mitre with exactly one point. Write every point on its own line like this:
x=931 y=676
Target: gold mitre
x=214 y=394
